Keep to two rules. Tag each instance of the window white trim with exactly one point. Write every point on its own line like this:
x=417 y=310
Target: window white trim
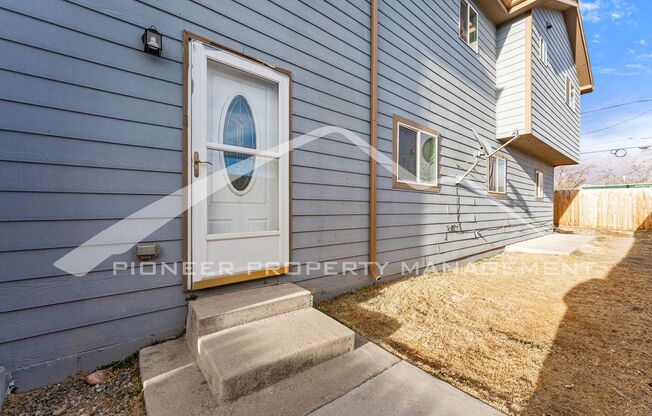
x=464 y=26
x=571 y=94
x=543 y=50
x=538 y=184
x=492 y=185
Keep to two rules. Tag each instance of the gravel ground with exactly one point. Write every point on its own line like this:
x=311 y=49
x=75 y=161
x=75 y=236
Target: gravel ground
x=121 y=394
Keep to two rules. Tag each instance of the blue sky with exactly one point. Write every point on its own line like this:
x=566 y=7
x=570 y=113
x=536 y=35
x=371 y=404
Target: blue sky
x=619 y=37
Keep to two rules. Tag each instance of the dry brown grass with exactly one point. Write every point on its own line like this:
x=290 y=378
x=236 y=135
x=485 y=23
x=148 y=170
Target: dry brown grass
x=564 y=336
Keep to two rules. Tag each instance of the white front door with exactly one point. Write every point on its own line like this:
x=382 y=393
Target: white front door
x=239 y=168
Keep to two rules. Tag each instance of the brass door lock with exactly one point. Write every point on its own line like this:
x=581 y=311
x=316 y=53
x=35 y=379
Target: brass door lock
x=196 y=162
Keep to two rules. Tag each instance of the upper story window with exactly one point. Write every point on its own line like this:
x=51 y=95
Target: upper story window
x=543 y=50
x=497 y=174
x=538 y=184
x=571 y=94
x=416 y=151
x=469 y=24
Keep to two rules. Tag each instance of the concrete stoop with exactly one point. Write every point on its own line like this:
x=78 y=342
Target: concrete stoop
x=267 y=351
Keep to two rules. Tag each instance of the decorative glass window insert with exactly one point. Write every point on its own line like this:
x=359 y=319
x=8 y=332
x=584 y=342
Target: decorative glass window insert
x=538 y=187
x=497 y=174
x=468 y=24
x=239 y=130
x=543 y=50
x=416 y=154
x=571 y=94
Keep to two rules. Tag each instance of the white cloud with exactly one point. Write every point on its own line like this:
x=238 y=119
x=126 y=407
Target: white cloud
x=595 y=38
x=590 y=11
x=593 y=11
x=641 y=42
x=632 y=70
x=590 y=6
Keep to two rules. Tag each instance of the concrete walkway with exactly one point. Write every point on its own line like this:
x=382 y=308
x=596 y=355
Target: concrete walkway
x=559 y=244
x=366 y=381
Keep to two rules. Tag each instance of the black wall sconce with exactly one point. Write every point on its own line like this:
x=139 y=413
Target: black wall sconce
x=548 y=25
x=153 y=41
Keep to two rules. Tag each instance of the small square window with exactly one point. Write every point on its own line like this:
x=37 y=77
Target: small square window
x=416 y=150
x=538 y=184
x=571 y=94
x=497 y=175
x=468 y=24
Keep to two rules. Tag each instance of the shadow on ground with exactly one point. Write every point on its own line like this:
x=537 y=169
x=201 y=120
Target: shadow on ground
x=600 y=362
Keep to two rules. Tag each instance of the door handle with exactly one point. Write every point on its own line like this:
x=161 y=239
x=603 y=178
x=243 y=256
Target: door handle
x=196 y=162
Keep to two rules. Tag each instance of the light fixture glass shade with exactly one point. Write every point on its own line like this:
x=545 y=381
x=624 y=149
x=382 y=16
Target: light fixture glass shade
x=153 y=41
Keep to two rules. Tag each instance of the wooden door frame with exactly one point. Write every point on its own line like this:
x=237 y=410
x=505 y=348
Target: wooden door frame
x=186 y=151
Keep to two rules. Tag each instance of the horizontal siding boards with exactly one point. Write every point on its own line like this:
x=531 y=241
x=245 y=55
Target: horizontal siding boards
x=38 y=177
x=83 y=349
x=20 y=117
x=91 y=132
x=552 y=120
x=31 y=264
x=452 y=257
x=54 y=94
x=39 y=235
x=38 y=148
x=33 y=322
x=29 y=206
x=55 y=370
x=28 y=59
x=32 y=293
x=510 y=77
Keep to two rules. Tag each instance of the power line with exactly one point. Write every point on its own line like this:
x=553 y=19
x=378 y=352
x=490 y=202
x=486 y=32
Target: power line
x=623 y=140
x=619 y=123
x=615 y=149
x=615 y=106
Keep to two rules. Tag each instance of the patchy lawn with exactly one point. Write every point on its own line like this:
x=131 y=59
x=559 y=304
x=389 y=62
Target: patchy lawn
x=528 y=334
x=120 y=394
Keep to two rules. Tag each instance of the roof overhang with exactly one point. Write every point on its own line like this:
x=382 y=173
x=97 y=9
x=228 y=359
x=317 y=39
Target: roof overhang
x=535 y=147
x=500 y=11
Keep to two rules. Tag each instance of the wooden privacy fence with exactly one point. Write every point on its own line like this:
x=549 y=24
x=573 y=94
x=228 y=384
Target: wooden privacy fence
x=611 y=208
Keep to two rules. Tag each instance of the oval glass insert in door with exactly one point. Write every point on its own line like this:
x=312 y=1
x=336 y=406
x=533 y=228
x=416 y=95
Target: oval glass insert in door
x=239 y=130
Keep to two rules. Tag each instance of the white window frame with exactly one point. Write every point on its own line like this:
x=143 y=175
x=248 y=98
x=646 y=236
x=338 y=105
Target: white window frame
x=571 y=94
x=418 y=185
x=467 y=23
x=543 y=50
x=538 y=184
x=495 y=190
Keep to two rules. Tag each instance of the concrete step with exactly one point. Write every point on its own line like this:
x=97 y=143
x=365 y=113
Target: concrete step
x=210 y=314
x=247 y=358
x=173 y=385
x=311 y=389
